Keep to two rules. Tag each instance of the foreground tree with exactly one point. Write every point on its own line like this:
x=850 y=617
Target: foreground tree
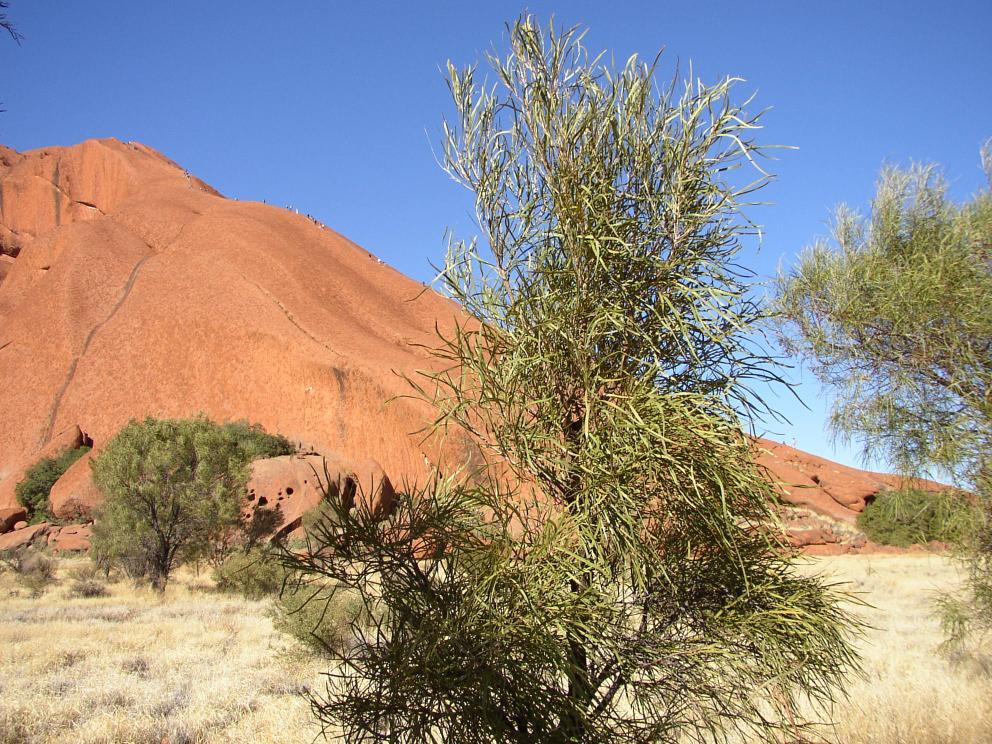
x=896 y=317
x=607 y=571
x=174 y=489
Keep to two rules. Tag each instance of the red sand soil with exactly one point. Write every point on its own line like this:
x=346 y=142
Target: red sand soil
x=130 y=288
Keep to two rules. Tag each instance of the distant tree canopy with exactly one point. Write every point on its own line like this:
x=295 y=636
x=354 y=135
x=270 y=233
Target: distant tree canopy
x=896 y=317
x=608 y=573
x=173 y=490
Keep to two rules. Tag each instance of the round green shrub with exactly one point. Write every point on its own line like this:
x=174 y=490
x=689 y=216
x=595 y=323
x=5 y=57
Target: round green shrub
x=319 y=618
x=912 y=516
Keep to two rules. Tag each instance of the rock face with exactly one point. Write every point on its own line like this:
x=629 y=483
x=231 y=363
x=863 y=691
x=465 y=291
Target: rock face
x=25 y=536
x=133 y=289
x=11 y=516
x=826 y=487
x=824 y=498
x=74 y=496
x=73 y=538
x=129 y=288
x=296 y=483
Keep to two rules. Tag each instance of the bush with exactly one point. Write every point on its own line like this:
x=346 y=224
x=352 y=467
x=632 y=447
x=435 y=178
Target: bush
x=87 y=589
x=174 y=490
x=911 y=516
x=321 y=619
x=33 y=492
x=35 y=571
x=253 y=575
x=256 y=443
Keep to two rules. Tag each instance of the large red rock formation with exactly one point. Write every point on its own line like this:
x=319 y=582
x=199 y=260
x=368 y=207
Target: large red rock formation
x=137 y=290
x=129 y=288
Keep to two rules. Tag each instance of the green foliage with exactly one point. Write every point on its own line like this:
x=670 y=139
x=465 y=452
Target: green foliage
x=912 y=516
x=896 y=318
x=322 y=620
x=606 y=572
x=253 y=574
x=33 y=492
x=255 y=443
x=174 y=490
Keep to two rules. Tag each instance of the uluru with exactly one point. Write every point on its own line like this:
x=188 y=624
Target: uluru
x=131 y=288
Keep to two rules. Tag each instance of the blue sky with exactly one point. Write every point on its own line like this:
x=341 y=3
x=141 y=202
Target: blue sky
x=332 y=107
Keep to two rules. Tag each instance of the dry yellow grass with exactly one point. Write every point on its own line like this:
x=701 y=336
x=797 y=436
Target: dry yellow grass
x=201 y=667
x=131 y=667
x=911 y=693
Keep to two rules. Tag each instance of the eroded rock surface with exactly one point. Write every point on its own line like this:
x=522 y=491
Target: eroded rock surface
x=130 y=288
x=137 y=290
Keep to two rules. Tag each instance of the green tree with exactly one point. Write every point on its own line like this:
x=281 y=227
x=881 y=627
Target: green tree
x=173 y=490
x=607 y=572
x=895 y=316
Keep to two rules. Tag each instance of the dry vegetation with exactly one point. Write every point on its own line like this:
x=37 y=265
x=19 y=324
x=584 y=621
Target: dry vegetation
x=201 y=667
x=911 y=694
x=130 y=667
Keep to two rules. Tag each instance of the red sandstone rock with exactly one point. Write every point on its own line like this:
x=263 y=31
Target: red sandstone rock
x=812 y=536
x=830 y=549
x=139 y=291
x=71 y=538
x=826 y=487
x=69 y=438
x=74 y=495
x=11 y=516
x=24 y=536
x=296 y=483
x=20 y=525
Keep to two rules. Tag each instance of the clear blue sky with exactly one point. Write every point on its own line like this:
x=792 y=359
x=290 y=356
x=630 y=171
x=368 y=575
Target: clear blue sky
x=331 y=106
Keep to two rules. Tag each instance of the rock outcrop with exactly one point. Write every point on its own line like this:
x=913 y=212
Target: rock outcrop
x=295 y=484
x=130 y=288
x=74 y=496
x=11 y=516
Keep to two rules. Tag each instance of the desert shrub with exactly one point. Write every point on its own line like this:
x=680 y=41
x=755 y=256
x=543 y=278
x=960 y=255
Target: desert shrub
x=255 y=443
x=173 y=492
x=253 y=574
x=603 y=570
x=34 y=490
x=910 y=516
x=87 y=589
x=320 y=619
x=34 y=570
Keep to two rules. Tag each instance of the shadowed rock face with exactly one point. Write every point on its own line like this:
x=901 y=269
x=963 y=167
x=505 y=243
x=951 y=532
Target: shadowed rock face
x=129 y=288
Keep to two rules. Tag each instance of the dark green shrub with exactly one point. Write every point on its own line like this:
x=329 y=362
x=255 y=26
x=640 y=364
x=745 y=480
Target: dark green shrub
x=255 y=443
x=253 y=575
x=34 y=490
x=911 y=516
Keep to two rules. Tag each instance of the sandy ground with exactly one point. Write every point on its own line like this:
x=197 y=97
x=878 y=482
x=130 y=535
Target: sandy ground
x=200 y=667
